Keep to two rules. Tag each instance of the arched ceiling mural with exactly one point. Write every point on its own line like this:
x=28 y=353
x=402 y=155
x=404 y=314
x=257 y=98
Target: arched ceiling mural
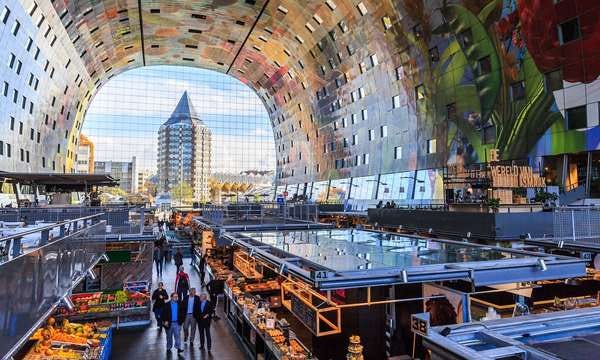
x=352 y=87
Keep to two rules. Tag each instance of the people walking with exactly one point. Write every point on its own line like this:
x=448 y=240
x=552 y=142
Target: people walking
x=214 y=289
x=173 y=317
x=182 y=282
x=159 y=296
x=190 y=302
x=158 y=261
x=202 y=266
x=203 y=315
x=178 y=257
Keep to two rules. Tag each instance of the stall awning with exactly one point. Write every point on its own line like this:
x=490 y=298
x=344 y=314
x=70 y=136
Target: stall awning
x=347 y=258
x=60 y=182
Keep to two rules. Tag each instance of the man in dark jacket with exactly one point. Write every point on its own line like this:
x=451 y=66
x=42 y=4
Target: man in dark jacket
x=190 y=302
x=203 y=314
x=178 y=257
x=173 y=317
x=202 y=267
x=159 y=296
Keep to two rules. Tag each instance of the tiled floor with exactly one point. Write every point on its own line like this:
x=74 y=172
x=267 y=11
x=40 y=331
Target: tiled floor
x=150 y=343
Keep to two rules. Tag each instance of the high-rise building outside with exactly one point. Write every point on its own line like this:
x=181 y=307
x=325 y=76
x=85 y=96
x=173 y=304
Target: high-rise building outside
x=125 y=171
x=184 y=151
x=85 y=156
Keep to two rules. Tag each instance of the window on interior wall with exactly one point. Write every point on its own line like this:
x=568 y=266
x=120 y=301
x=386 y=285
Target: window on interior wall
x=420 y=92
x=365 y=114
x=431 y=146
x=569 y=31
x=365 y=159
x=484 y=66
x=451 y=111
x=373 y=59
x=354 y=118
x=371 y=134
x=383 y=131
x=387 y=22
x=5 y=89
x=15 y=28
x=576 y=117
x=434 y=54
x=362 y=9
x=344 y=122
x=400 y=72
x=354 y=139
x=488 y=134
x=346 y=142
x=517 y=90
x=396 y=102
x=398 y=152
x=553 y=80
x=5 y=14
x=418 y=31
x=465 y=37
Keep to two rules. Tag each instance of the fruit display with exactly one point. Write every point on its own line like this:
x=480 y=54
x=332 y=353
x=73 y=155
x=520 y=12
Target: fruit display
x=89 y=303
x=218 y=269
x=69 y=341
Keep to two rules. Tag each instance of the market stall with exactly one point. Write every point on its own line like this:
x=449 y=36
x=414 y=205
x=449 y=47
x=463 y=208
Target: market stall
x=345 y=282
x=59 y=340
x=119 y=291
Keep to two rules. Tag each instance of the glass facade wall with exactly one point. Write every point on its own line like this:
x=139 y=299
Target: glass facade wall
x=125 y=116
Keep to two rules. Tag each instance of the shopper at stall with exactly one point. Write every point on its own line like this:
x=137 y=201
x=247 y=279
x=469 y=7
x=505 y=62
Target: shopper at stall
x=173 y=317
x=214 y=287
x=158 y=261
x=190 y=302
x=203 y=315
x=178 y=257
x=159 y=296
x=182 y=282
x=202 y=267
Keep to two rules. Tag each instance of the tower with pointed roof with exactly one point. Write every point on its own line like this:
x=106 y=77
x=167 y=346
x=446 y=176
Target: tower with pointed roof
x=184 y=150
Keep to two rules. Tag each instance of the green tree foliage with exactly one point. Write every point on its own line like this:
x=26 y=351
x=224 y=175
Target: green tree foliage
x=182 y=192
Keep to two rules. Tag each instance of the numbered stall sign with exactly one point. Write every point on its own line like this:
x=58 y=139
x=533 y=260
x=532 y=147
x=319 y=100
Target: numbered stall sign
x=419 y=324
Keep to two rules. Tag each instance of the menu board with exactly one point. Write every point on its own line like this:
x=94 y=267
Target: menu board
x=304 y=313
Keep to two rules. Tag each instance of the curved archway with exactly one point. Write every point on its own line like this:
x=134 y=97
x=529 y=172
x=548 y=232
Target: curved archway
x=124 y=118
x=419 y=83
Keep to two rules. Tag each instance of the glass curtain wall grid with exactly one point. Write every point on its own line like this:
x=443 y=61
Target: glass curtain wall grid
x=125 y=116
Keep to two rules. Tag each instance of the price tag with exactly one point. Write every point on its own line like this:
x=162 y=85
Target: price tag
x=270 y=324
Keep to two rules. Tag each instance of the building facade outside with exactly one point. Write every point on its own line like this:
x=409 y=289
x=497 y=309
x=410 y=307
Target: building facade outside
x=85 y=156
x=125 y=171
x=184 y=151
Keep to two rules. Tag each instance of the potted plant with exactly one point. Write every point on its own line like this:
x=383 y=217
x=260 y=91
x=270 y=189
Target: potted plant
x=493 y=203
x=548 y=199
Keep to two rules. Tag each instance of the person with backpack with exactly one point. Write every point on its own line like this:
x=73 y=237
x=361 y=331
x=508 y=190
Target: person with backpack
x=182 y=282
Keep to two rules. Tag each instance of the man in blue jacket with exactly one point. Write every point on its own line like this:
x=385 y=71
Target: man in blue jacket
x=173 y=317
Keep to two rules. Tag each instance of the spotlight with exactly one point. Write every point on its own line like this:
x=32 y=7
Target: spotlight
x=542 y=265
x=67 y=300
x=404 y=276
x=91 y=274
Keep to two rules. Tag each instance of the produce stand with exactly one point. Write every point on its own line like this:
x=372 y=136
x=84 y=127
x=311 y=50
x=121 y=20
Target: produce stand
x=129 y=307
x=68 y=340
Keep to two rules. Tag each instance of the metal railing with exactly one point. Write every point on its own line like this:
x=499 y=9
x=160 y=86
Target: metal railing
x=577 y=224
x=260 y=213
x=12 y=245
x=120 y=219
x=36 y=281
